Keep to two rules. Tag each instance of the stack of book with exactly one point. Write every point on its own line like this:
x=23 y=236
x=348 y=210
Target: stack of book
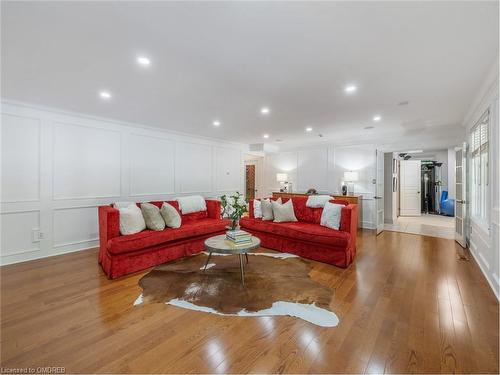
x=239 y=237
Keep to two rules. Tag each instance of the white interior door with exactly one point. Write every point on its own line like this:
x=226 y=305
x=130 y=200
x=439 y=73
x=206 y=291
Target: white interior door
x=410 y=204
x=460 y=186
x=379 y=192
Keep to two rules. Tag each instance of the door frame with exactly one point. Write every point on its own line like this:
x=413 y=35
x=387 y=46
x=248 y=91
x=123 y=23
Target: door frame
x=461 y=189
x=379 y=191
x=258 y=162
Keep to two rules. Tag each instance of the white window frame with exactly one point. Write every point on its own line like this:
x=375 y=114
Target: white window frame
x=480 y=170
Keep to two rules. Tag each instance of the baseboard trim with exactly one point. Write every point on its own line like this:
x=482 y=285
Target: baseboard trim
x=490 y=282
x=58 y=253
x=367 y=225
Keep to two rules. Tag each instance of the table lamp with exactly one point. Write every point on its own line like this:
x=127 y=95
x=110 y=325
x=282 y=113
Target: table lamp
x=282 y=179
x=350 y=177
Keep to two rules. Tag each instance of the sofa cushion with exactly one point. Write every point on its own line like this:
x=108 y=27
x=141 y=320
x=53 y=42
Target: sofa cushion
x=192 y=203
x=283 y=212
x=170 y=215
x=186 y=218
x=148 y=238
x=317 y=201
x=131 y=220
x=257 y=209
x=267 y=209
x=152 y=217
x=330 y=217
x=123 y=204
x=310 y=232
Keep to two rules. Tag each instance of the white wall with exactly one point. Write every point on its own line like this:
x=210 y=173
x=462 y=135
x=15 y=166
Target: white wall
x=58 y=167
x=484 y=239
x=322 y=168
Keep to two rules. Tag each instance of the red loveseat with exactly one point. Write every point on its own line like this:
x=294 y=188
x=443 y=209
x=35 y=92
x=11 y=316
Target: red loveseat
x=120 y=255
x=306 y=237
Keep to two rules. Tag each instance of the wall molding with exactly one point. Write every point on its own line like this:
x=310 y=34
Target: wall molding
x=52 y=207
x=494 y=284
x=174 y=163
x=37 y=243
x=66 y=244
x=61 y=115
x=39 y=168
x=60 y=124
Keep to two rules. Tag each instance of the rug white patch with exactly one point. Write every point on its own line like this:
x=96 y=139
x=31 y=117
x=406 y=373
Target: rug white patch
x=209 y=265
x=138 y=300
x=272 y=255
x=310 y=313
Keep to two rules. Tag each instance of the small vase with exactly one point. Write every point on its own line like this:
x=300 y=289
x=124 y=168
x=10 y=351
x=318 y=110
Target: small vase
x=235 y=225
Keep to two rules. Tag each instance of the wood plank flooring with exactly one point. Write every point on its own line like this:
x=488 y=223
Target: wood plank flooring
x=409 y=304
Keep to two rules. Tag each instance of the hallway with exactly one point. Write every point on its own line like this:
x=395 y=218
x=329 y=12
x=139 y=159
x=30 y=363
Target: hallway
x=427 y=225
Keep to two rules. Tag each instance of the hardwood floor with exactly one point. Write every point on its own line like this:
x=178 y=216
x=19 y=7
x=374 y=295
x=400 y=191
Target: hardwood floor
x=408 y=304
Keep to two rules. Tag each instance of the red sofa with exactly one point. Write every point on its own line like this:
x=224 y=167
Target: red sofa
x=306 y=237
x=120 y=255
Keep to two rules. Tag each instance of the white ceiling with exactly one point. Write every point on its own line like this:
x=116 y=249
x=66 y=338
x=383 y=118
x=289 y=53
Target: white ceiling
x=225 y=60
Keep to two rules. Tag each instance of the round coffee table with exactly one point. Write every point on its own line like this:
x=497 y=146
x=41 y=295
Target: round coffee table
x=221 y=245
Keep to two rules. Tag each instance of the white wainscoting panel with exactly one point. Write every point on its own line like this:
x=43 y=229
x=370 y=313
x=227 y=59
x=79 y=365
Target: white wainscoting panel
x=484 y=236
x=323 y=168
x=17 y=232
x=194 y=167
x=152 y=165
x=75 y=225
x=20 y=158
x=58 y=167
x=87 y=162
x=228 y=169
x=283 y=162
x=312 y=169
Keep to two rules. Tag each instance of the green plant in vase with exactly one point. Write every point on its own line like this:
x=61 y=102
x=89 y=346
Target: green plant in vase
x=233 y=208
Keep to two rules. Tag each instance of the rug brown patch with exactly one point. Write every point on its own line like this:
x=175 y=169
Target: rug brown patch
x=267 y=280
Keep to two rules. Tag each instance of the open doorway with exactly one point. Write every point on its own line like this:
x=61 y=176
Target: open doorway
x=419 y=195
x=250 y=187
x=253 y=176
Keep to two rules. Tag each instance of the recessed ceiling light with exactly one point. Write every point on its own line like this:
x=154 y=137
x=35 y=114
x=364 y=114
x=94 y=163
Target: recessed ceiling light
x=144 y=61
x=105 y=95
x=309 y=129
x=265 y=111
x=216 y=123
x=368 y=127
x=350 y=89
x=377 y=118
x=266 y=136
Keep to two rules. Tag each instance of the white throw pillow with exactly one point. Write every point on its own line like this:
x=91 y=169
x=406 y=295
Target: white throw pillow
x=283 y=212
x=267 y=209
x=170 y=215
x=257 y=209
x=193 y=203
x=317 y=201
x=119 y=205
x=330 y=217
x=131 y=220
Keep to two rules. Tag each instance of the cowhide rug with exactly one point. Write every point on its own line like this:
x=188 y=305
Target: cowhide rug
x=275 y=284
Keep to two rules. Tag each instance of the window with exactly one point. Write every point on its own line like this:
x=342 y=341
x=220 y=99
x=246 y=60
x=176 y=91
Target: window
x=479 y=165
